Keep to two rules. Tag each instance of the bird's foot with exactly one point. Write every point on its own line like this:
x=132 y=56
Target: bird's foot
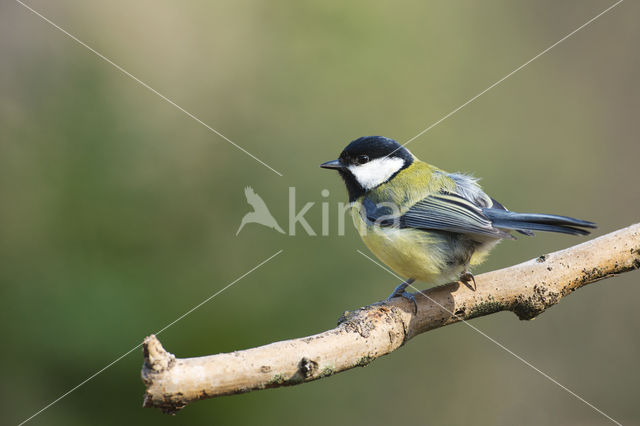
x=400 y=292
x=466 y=278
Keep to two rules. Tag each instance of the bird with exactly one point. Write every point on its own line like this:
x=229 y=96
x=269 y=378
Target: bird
x=425 y=223
x=260 y=213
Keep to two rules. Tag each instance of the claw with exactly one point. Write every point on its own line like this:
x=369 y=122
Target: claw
x=400 y=292
x=467 y=277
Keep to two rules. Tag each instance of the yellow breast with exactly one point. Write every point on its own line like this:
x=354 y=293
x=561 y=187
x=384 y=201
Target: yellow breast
x=408 y=252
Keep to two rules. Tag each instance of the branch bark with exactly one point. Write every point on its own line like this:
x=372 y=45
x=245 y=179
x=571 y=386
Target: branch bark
x=368 y=333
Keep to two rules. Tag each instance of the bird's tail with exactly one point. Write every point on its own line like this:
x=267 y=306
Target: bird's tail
x=526 y=222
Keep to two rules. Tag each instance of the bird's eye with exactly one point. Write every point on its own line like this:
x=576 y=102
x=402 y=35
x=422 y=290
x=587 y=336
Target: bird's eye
x=362 y=159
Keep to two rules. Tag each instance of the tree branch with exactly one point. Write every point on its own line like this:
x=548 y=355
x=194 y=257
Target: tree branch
x=368 y=333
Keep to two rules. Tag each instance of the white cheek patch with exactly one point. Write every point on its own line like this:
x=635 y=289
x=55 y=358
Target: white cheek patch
x=376 y=172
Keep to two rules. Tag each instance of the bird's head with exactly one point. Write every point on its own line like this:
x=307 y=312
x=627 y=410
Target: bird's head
x=368 y=162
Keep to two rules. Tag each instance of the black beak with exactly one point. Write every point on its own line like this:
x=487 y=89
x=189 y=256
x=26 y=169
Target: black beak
x=334 y=164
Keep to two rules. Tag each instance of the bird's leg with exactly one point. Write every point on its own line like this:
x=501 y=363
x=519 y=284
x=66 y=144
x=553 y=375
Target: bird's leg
x=466 y=277
x=400 y=292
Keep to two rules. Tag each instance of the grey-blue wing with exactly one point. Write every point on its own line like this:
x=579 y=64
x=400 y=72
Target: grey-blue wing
x=452 y=213
x=468 y=210
x=442 y=212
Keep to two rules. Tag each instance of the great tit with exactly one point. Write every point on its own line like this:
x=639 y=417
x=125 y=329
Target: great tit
x=423 y=222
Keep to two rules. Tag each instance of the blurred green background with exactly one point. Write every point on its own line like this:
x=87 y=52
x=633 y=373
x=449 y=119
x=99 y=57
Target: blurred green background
x=118 y=212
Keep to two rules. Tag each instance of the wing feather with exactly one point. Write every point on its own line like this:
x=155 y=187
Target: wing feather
x=464 y=208
x=452 y=213
x=442 y=212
